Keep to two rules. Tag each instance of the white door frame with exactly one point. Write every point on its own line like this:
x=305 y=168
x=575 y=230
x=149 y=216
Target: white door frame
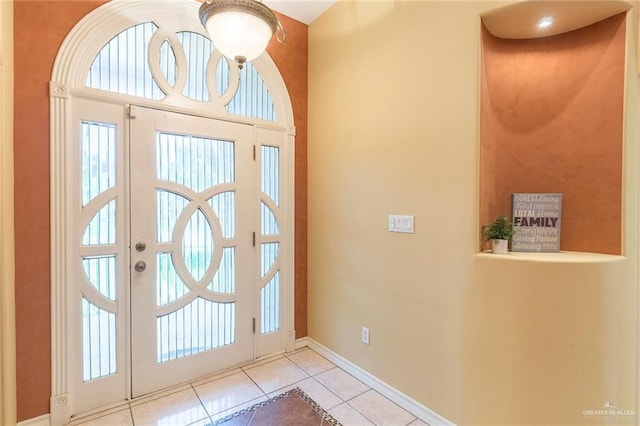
x=68 y=79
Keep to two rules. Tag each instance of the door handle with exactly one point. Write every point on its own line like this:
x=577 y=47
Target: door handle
x=140 y=266
x=140 y=246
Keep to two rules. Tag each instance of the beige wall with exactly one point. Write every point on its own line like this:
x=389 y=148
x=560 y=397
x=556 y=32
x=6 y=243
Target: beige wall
x=7 y=310
x=547 y=340
x=393 y=129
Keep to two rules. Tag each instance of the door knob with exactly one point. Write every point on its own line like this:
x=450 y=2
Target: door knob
x=140 y=266
x=140 y=246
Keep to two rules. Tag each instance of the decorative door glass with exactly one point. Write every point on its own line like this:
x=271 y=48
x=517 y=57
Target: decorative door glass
x=148 y=62
x=270 y=237
x=98 y=249
x=195 y=252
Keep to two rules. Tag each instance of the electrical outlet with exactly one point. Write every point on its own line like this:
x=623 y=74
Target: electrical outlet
x=365 y=335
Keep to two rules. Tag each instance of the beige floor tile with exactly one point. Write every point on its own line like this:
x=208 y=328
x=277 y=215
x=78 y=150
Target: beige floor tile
x=119 y=418
x=216 y=396
x=348 y=416
x=180 y=408
x=227 y=392
x=321 y=395
x=310 y=362
x=342 y=383
x=380 y=410
x=203 y=422
x=276 y=375
x=215 y=376
x=264 y=360
x=230 y=411
x=159 y=394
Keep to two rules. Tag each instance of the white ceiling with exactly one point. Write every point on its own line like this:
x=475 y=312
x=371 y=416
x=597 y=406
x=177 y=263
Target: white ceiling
x=305 y=11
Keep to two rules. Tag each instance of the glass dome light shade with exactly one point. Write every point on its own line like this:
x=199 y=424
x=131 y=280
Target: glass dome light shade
x=238 y=34
x=240 y=29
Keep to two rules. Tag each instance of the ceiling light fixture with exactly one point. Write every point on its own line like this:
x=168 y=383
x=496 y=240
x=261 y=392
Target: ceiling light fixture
x=240 y=29
x=545 y=22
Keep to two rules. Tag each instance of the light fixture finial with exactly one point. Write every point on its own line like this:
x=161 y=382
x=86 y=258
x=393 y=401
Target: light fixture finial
x=240 y=61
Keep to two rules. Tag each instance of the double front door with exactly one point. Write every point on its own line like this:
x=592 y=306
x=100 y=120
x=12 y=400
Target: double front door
x=176 y=242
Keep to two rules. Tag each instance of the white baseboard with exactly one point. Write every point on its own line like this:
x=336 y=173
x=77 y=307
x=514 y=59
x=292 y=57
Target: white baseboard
x=414 y=407
x=37 y=421
x=302 y=342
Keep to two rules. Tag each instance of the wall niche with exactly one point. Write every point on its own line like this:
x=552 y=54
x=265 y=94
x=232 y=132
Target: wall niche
x=552 y=121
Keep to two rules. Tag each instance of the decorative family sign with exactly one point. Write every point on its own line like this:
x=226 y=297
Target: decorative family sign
x=536 y=222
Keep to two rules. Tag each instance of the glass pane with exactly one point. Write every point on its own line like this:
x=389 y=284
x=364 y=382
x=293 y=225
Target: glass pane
x=168 y=209
x=199 y=326
x=169 y=285
x=270 y=305
x=98 y=159
x=223 y=205
x=197 y=245
x=223 y=76
x=122 y=65
x=197 y=49
x=253 y=98
x=197 y=163
x=168 y=64
x=271 y=173
x=102 y=228
x=98 y=341
x=269 y=254
x=269 y=222
x=101 y=272
x=225 y=279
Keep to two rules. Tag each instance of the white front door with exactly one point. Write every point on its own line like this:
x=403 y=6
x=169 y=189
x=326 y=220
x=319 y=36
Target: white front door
x=193 y=263
x=178 y=249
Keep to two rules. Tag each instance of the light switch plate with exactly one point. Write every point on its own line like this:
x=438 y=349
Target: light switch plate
x=401 y=223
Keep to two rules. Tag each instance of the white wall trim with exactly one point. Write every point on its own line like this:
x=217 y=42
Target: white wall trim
x=414 y=407
x=36 y=421
x=8 y=402
x=302 y=342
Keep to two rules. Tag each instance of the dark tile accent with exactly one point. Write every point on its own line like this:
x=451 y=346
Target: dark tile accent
x=292 y=408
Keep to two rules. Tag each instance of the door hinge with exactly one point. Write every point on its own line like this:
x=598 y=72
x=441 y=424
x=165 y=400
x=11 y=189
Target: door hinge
x=131 y=112
x=254 y=326
x=254 y=239
x=254 y=153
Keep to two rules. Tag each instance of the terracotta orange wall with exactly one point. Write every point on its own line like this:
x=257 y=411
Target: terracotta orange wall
x=551 y=121
x=39 y=29
x=291 y=59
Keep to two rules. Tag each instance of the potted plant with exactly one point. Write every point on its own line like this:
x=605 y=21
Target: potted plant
x=499 y=232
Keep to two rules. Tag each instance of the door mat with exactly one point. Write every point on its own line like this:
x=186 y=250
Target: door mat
x=292 y=408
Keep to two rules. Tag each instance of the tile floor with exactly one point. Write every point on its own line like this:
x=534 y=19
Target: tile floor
x=204 y=401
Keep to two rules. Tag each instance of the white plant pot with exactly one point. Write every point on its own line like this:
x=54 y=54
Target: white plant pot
x=499 y=246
